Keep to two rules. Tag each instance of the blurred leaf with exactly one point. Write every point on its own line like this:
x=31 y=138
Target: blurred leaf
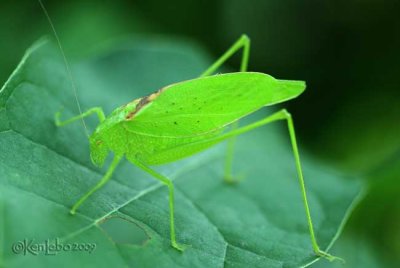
x=358 y=252
x=377 y=218
x=259 y=222
x=80 y=24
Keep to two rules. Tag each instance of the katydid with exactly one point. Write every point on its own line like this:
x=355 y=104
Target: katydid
x=185 y=118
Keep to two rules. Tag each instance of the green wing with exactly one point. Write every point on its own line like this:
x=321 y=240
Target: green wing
x=202 y=105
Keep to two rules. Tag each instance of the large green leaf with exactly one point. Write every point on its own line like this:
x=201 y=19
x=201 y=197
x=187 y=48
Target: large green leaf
x=259 y=222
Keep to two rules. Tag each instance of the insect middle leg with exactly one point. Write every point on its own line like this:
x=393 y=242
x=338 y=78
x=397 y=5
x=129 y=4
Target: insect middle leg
x=170 y=186
x=242 y=42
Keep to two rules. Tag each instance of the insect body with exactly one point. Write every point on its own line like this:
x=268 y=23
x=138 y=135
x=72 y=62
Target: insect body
x=182 y=119
x=187 y=117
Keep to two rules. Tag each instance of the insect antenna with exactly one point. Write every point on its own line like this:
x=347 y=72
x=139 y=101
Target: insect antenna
x=67 y=67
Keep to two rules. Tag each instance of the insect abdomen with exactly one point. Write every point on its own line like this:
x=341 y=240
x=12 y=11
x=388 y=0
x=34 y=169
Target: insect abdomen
x=161 y=150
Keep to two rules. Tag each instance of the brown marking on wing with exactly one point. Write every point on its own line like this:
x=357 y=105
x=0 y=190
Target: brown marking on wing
x=143 y=102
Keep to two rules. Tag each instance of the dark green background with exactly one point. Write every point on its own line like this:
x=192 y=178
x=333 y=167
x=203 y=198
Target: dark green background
x=347 y=51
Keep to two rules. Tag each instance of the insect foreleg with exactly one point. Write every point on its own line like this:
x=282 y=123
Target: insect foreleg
x=96 y=110
x=170 y=186
x=103 y=181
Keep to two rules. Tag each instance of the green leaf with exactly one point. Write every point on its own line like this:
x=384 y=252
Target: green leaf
x=359 y=252
x=259 y=222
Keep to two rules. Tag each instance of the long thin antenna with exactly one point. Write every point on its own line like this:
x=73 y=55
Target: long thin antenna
x=68 y=69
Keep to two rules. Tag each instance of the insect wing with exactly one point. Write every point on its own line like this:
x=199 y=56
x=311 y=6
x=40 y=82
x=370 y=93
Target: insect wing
x=203 y=105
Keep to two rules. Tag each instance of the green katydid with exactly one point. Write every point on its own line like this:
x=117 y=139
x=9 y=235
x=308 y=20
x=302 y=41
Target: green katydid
x=182 y=119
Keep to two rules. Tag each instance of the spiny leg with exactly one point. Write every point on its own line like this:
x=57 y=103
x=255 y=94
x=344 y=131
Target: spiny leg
x=280 y=115
x=96 y=110
x=100 y=184
x=286 y=115
x=230 y=152
x=242 y=42
x=170 y=186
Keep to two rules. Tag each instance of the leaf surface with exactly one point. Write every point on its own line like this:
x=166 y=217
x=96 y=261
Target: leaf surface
x=259 y=222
